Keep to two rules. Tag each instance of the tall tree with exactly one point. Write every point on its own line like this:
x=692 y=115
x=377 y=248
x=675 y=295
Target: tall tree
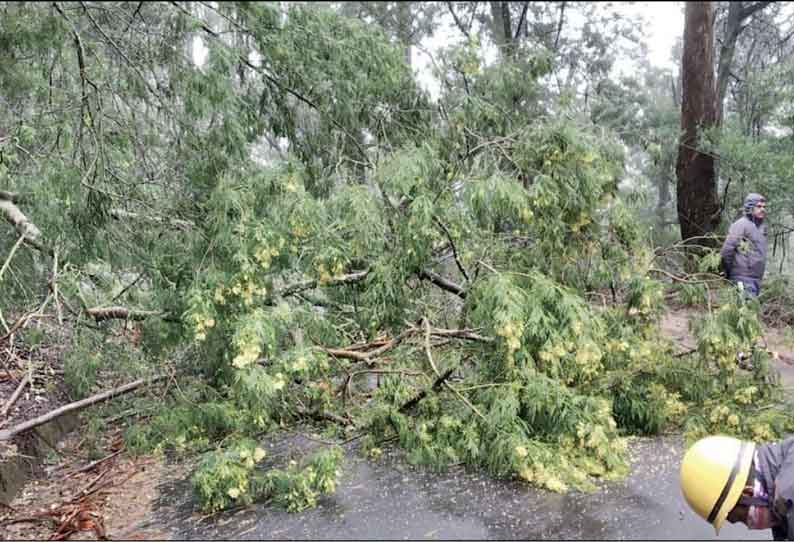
x=735 y=23
x=698 y=201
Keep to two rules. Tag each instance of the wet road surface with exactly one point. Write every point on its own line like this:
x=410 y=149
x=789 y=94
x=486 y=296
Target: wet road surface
x=389 y=499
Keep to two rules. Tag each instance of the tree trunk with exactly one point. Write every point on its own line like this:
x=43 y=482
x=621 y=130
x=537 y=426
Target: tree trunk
x=404 y=28
x=732 y=30
x=502 y=28
x=698 y=202
x=664 y=198
x=737 y=14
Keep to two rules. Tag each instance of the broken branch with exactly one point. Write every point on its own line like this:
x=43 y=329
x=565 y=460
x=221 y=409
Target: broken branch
x=179 y=224
x=95 y=463
x=449 y=386
x=108 y=313
x=75 y=406
x=454 y=249
x=24 y=227
x=311 y=284
x=443 y=283
x=422 y=394
x=349 y=353
x=15 y=395
x=11 y=255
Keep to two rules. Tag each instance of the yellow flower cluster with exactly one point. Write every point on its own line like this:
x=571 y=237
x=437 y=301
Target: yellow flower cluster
x=201 y=324
x=617 y=346
x=299 y=229
x=588 y=358
x=247 y=355
x=542 y=477
x=250 y=458
x=723 y=414
x=375 y=453
x=511 y=332
x=744 y=396
x=218 y=296
x=583 y=220
x=335 y=268
x=264 y=255
x=247 y=289
x=299 y=365
x=553 y=352
x=593 y=438
x=674 y=406
x=763 y=433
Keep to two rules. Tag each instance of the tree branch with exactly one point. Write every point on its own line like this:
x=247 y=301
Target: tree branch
x=422 y=394
x=521 y=20
x=24 y=227
x=752 y=8
x=121 y=313
x=443 y=283
x=559 y=26
x=452 y=244
x=77 y=405
x=298 y=287
x=458 y=22
x=449 y=386
x=183 y=225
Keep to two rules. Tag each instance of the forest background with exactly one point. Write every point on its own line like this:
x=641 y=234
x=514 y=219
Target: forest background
x=255 y=216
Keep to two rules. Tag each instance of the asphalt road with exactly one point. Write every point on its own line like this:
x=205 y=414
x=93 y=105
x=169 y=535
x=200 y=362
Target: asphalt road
x=391 y=500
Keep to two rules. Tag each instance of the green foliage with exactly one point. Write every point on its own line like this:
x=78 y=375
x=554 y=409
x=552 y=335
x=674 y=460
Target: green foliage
x=298 y=487
x=80 y=368
x=227 y=477
x=223 y=477
x=733 y=328
x=189 y=427
x=691 y=295
x=96 y=359
x=540 y=324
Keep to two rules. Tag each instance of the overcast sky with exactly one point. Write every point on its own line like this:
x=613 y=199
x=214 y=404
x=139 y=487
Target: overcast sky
x=664 y=25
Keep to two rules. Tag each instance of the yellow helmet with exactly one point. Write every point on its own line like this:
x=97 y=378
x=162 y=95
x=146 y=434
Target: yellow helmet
x=713 y=474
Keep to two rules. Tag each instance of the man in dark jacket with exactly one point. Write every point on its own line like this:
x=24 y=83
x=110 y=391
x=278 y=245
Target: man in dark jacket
x=743 y=254
x=743 y=482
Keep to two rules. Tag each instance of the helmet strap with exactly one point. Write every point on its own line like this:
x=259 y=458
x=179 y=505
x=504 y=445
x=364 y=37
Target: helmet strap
x=728 y=484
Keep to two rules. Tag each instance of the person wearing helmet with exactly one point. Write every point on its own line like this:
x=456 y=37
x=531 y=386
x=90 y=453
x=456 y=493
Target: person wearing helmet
x=743 y=254
x=723 y=478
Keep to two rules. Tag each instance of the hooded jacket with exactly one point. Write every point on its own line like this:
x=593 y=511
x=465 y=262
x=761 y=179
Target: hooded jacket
x=744 y=252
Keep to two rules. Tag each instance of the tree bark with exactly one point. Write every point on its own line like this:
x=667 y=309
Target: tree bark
x=698 y=201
